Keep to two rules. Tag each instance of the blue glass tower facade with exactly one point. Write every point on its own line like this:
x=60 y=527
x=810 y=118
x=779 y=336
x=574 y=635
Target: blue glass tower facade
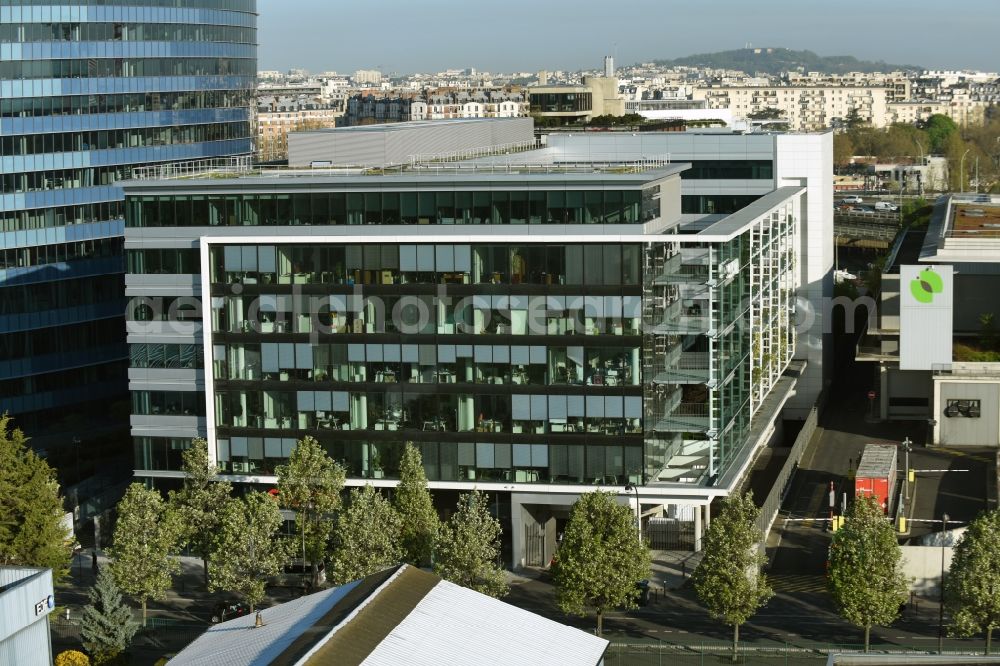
x=88 y=91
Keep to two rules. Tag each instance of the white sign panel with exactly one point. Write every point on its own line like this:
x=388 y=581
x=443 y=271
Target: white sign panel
x=926 y=299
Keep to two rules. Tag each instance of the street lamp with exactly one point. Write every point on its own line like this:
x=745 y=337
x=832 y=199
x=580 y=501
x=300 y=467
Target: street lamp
x=906 y=468
x=944 y=528
x=961 y=170
x=638 y=517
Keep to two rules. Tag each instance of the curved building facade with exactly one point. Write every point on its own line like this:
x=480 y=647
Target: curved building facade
x=88 y=91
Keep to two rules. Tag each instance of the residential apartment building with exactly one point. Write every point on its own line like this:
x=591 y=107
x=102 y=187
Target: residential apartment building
x=364 y=109
x=86 y=94
x=274 y=122
x=816 y=107
x=537 y=328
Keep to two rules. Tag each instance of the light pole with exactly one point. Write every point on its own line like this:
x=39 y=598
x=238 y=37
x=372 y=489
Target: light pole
x=944 y=528
x=638 y=516
x=907 y=446
x=961 y=171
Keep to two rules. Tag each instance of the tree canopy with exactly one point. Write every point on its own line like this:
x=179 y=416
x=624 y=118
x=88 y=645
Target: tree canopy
x=144 y=536
x=601 y=558
x=32 y=531
x=468 y=547
x=866 y=579
x=412 y=500
x=249 y=536
x=939 y=128
x=366 y=537
x=972 y=588
x=729 y=580
x=310 y=484
x=200 y=502
x=107 y=627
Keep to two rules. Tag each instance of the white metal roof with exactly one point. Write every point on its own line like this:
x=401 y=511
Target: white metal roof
x=455 y=625
x=239 y=642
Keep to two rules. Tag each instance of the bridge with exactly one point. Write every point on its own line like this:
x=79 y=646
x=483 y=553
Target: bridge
x=867 y=230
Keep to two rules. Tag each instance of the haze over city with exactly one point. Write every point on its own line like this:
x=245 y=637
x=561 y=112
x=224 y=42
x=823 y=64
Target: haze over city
x=404 y=37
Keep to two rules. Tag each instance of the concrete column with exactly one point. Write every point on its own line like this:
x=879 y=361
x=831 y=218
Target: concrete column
x=708 y=515
x=697 y=529
x=516 y=533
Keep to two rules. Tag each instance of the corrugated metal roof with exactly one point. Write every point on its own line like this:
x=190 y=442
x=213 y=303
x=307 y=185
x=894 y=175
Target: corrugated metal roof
x=455 y=625
x=239 y=642
x=876 y=461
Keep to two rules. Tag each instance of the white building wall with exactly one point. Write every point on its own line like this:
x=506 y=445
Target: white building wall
x=807 y=159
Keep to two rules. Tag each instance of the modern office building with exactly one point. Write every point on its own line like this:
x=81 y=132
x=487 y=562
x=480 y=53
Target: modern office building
x=88 y=90
x=538 y=324
x=934 y=340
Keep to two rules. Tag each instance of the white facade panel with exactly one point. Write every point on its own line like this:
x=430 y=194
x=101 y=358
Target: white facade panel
x=926 y=301
x=25 y=603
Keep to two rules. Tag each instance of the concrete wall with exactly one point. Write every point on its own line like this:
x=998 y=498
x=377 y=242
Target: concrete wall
x=962 y=430
x=922 y=567
x=807 y=159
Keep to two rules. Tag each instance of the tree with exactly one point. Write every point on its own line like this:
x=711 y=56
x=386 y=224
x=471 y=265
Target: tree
x=144 y=535
x=972 y=589
x=865 y=577
x=107 y=626
x=767 y=113
x=601 y=558
x=468 y=547
x=729 y=580
x=843 y=149
x=32 y=531
x=939 y=128
x=367 y=536
x=199 y=504
x=253 y=550
x=413 y=502
x=310 y=484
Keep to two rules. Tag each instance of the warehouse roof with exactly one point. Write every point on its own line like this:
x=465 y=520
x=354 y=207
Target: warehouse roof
x=401 y=615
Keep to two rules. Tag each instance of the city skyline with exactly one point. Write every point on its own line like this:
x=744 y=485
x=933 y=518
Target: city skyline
x=548 y=36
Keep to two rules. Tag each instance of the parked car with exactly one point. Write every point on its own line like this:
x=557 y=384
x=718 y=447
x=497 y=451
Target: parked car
x=227 y=610
x=853 y=199
x=886 y=206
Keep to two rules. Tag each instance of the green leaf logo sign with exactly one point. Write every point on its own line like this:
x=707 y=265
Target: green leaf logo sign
x=926 y=285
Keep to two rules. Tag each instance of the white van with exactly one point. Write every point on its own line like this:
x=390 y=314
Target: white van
x=886 y=206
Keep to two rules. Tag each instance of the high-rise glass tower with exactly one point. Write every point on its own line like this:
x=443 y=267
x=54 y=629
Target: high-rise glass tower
x=88 y=91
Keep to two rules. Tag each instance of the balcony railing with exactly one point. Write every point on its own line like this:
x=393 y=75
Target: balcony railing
x=684 y=324
x=684 y=417
x=684 y=368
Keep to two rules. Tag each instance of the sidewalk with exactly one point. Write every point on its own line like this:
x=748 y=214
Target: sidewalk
x=172 y=622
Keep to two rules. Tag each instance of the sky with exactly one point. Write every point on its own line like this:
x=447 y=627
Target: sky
x=408 y=36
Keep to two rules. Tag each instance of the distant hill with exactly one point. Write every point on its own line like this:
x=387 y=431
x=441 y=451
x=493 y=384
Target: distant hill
x=778 y=60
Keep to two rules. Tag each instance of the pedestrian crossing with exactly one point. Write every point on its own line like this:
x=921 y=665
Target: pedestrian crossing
x=792 y=583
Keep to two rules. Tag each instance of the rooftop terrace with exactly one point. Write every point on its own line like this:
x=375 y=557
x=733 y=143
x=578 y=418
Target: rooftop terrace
x=422 y=166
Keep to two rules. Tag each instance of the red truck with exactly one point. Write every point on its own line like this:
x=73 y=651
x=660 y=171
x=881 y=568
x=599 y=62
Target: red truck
x=876 y=474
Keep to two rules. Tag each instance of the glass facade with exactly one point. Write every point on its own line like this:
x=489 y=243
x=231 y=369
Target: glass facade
x=596 y=358
x=88 y=91
x=517 y=362
x=717 y=337
x=555 y=206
